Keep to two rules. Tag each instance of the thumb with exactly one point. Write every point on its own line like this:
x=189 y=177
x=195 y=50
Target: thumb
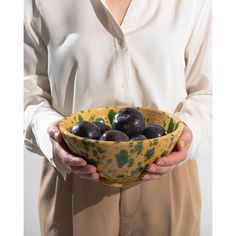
x=185 y=139
x=54 y=132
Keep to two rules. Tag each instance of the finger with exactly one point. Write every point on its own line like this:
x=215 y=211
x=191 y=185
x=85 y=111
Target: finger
x=55 y=134
x=93 y=176
x=155 y=169
x=185 y=139
x=71 y=160
x=84 y=170
x=149 y=176
x=171 y=159
x=68 y=158
x=54 y=131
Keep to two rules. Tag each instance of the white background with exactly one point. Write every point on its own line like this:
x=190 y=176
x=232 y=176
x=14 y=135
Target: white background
x=32 y=174
x=11 y=100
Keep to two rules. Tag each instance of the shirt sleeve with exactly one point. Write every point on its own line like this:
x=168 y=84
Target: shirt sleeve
x=38 y=112
x=195 y=110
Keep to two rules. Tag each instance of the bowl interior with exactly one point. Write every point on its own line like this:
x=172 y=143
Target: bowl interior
x=106 y=114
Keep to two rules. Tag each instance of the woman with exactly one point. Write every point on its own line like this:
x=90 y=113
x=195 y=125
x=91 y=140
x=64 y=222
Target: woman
x=83 y=54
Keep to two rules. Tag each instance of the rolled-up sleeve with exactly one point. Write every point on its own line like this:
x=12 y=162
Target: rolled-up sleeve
x=196 y=110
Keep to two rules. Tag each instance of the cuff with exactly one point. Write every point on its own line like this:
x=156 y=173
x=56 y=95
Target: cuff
x=42 y=139
x=192 y=125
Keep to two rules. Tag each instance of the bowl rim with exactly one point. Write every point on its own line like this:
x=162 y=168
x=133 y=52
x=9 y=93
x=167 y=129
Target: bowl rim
x=79 y=138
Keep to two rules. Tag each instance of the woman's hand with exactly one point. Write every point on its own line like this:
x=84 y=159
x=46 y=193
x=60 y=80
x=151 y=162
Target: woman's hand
x=77 y=164
x=166 y=164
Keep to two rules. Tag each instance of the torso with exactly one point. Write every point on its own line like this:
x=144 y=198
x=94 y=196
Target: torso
x=93 y=61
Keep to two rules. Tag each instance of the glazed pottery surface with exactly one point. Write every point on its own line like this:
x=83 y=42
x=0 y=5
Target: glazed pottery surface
x=121 y=163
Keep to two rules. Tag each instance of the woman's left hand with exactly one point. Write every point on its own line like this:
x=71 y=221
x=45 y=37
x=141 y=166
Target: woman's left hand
x=167 y=163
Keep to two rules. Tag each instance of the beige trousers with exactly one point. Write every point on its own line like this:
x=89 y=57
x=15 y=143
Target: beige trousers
x=169 y=206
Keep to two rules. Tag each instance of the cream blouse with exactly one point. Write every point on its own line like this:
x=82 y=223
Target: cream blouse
x=78 y=57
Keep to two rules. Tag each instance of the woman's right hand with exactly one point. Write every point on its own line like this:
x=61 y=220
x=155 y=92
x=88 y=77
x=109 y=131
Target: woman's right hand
x=77 y=164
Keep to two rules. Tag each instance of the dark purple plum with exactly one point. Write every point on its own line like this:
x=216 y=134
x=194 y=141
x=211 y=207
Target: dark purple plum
x=102 y=127
x=154 y=131
x=130 y=121
x=86 y=129
x=114 y=135
x=139 y=137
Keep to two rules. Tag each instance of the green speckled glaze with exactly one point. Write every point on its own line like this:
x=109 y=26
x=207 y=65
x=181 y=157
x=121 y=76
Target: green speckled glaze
x=171 y=126
x=138 y=147
x=122 y=158
x=80 y=118
x=95 y=152
x=164 y=153
x=92 y=118
x=149 y=153
x=131 y=162
x=111 y=115
x=121 y=163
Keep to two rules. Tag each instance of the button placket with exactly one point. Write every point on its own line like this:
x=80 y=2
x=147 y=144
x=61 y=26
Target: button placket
x=121 y=64
x=121 y=73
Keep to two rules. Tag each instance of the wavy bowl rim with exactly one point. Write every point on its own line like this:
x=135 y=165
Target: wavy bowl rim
x=167 y=136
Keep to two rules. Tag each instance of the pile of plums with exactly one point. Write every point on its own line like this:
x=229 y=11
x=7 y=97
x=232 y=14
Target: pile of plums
x=127 y=125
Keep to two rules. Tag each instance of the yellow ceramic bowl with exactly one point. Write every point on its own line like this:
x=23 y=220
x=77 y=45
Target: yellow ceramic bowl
x=121 y=163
